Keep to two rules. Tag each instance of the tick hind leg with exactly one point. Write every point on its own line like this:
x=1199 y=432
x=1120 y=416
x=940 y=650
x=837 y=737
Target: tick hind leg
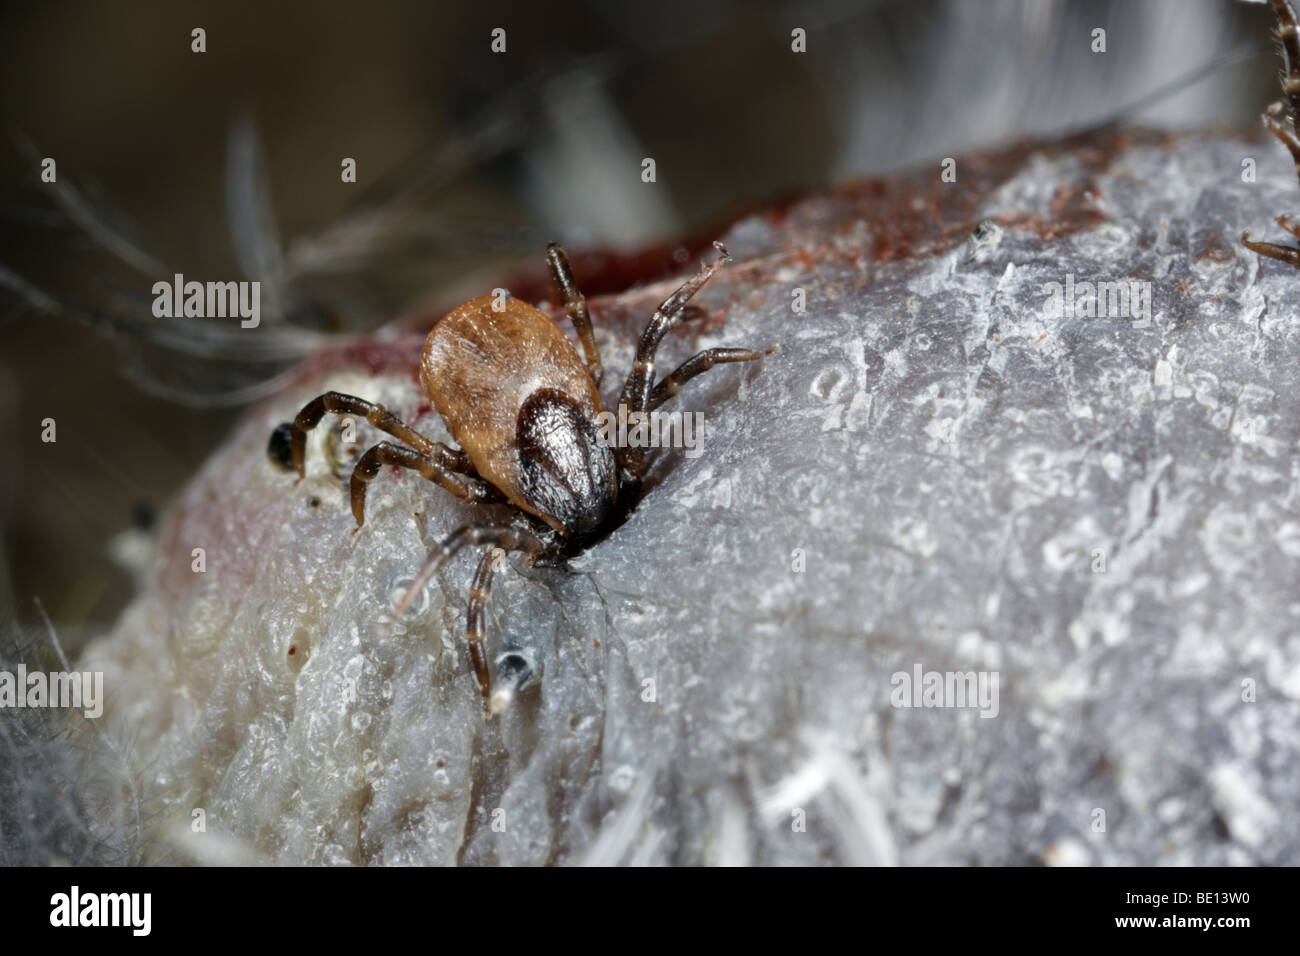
x=342 y=404
x=387 y=453
x=1281 y=122
x=500 y=537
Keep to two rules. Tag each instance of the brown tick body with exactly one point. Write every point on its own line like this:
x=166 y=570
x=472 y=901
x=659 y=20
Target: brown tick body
x=517 y=398
x=522 y=405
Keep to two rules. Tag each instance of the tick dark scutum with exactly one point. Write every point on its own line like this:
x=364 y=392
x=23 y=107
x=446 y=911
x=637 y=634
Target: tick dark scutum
x=566 y=468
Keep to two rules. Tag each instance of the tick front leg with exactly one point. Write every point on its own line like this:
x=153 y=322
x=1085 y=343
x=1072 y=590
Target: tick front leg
x=1289 y=224
x=1285 y=134
x=575 y=304
x=637 y=390
x=387 y=453
x=378 y=416
x=1289 y=254
x=697 y=364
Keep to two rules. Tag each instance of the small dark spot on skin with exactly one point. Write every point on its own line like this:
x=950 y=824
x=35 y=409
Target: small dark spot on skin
x=299 y=639
x=440 y=764
x=280 y=449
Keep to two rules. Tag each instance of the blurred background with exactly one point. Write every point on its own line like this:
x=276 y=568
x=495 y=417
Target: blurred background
x=226 y=165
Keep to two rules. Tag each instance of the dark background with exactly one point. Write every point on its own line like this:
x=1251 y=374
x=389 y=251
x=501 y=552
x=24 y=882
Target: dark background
x=486 y=157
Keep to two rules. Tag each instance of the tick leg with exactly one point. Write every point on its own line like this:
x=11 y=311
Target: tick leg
x=1271 y=249
x=637 y=389
x=479 y=591
x=575 y=304
x=387 y=453
x=379 y=417
x=697 y=364
x=1284 y=133
x=506 y=538
x=1290 y=225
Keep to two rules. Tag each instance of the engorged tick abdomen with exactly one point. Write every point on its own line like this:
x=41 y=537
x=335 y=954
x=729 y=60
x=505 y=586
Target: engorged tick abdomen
x=479 y=367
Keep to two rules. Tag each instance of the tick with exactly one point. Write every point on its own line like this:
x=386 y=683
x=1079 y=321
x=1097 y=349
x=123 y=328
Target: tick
x=523 y=407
